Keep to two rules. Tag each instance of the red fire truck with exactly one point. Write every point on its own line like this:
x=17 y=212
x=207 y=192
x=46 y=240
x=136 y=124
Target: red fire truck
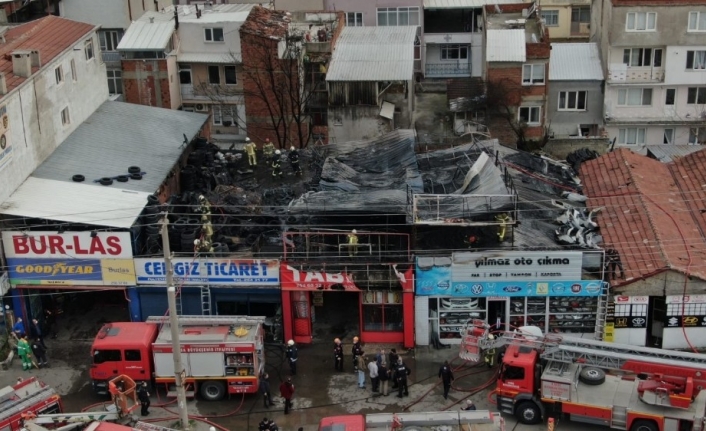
x=544 y=376
x=220 y=354
x=29 y=396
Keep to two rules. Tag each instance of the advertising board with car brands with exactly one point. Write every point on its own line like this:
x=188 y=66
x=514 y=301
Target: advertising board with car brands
x=214 y=271
x=687 y=311
x=510 y=274
x=69 y=258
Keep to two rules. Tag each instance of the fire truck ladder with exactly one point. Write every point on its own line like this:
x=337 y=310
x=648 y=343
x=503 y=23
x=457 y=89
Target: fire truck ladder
x=206 y=300
x=209 y=320
x=601 y=312
x=11 y=403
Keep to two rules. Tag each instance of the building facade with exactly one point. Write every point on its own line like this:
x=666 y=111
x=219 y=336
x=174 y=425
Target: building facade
x=654 y=59
x=567 y=21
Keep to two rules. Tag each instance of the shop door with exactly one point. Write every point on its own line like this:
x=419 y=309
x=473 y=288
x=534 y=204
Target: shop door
x=497 y=314
x=656 y=316
x=301 y=310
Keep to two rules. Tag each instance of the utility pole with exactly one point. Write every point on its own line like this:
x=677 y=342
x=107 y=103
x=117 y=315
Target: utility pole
x=174 y=324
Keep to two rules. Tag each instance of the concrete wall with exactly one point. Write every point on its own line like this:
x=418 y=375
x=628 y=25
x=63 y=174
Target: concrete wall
x=369 y=8
x=564 y=123
x=675 y=71
x=670 y=26
x=109 y=13
x=563 y=29
x=662 y=284
x=147 y=82
x=191 y=37
x=349 y=123
x=34 y=111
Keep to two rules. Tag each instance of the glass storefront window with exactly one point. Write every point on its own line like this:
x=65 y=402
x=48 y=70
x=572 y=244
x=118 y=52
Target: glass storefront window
x=382 y=311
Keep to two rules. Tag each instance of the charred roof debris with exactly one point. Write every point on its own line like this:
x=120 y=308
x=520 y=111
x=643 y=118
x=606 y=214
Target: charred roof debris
x=455 y=198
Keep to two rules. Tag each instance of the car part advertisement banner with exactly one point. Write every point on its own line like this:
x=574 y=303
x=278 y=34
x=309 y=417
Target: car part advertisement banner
x=69 y=258
x=439 y=277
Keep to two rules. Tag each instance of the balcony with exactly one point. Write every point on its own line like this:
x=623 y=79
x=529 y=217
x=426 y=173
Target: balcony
x=624 y=74
x=580 y=29
x=111 y=58
x=318 y=47
x=447 y=69
x=211 y=92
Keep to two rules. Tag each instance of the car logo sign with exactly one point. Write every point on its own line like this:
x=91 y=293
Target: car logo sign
x=512 y=289
x=638 y=322
x=477 y=289
x=593 y=288
x=558 y=288
x=576 y=288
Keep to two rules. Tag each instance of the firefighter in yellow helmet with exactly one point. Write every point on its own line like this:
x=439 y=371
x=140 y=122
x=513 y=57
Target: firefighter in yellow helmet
x=352 y=242
x=268 y=150
x=250 y=150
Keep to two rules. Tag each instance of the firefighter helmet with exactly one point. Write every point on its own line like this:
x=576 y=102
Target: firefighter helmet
x=278 y=152
x=290 y=342
x=247 y=139
x=355 y=339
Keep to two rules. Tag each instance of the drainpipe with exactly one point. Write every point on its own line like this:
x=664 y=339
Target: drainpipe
x=129 y=10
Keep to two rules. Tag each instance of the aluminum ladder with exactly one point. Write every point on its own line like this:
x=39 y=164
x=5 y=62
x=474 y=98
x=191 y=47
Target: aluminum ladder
x=601 y=312
x=205 y=300
x=209 y=320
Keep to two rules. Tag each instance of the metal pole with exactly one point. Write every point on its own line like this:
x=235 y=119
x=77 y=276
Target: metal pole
x=174 y=323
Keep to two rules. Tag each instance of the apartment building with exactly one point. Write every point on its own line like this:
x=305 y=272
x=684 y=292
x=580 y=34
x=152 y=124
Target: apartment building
x=567 y=20
x=48 y=86
x=653 y=53
x=113 y=17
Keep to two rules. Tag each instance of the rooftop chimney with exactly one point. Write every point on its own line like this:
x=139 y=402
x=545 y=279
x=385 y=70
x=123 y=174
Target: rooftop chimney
x=22 y=63
x=151 y=20
x=3 y=84
x=36 y=61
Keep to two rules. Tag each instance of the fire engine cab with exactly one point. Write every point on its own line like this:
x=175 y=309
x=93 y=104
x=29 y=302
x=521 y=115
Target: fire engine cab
x=221 y=354
x=29 y=396
x=544 y=376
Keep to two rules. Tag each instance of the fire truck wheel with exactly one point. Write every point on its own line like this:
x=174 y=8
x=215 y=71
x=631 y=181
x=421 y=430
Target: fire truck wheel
x=528 y=413
x=213 y=391
x=592 y=376
x=644 y=425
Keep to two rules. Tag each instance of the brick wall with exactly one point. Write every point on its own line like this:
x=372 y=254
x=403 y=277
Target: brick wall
x=146 y=82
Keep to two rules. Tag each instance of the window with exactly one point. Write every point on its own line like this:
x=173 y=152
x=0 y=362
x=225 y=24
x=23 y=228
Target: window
x=697 y=135
x=354 y=19
x=59 y=74
x=110 y=39
x=213 y=34
x=454 y=52
x=529 y=114
x=133 y=355
x=88 y=49
x=510 y=372
x=696 y=95
x=670 y=96
x=550 y=17
x=185 y=74
x=572 y=100
x=668 y=136
x=696 y=60
x=697 y=21
x=581 y=14
x=631 y=136
x=533 y=74
x=642 y=57
x=214 y=75
x=224 y=116
x=115 y=82
x=394 y=16
x=73 y=70
x=382 y=311
x=65 y=118
x=229 y=72
x=635 y=97
x=641 y=21
x=101 y=356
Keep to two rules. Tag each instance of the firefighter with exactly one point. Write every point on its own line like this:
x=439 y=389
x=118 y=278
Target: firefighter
x=292 y=356
x=489 y=355
x=277 y=164
x=504 y=220
x=357 y=350
x=294 y=161
x=250 y=149
x=469 y=405
x=272 y=426
x=144 y=398
x=268 y=150
x=23 y=350
x=264 y=425
x=447 y=376
x=352 y=242
x=401 y=373
x=337 y=355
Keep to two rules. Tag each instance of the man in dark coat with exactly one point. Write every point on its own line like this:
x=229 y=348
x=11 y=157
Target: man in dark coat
x=401 y=373
x=447 y=376
x=286 y=389
x=265 y=390
x=292 y=356
x=393 y=363
x=337 y=355
x=144 y=398
x=40 y=352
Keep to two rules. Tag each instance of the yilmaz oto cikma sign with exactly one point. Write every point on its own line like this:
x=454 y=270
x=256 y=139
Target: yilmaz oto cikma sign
x=69 y=258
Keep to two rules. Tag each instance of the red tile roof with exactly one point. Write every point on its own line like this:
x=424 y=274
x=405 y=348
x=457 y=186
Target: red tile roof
x=646 y=216
x=50 y=36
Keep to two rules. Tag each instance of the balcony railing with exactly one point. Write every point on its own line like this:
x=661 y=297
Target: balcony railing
x=110 y=57
x=318 y=47
x=440 y=70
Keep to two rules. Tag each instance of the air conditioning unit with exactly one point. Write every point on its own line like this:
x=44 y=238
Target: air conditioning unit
x=200 y=107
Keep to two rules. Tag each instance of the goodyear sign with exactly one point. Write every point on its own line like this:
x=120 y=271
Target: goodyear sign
x=70 y=258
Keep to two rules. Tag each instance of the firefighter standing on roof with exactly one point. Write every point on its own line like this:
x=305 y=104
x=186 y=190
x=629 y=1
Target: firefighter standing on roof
x=277 y=164
x=294 y=161
x=250 y=150
x=268 y=149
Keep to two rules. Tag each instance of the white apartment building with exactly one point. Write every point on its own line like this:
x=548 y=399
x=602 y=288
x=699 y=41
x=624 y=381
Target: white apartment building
x=49 y=86
x=654 y=57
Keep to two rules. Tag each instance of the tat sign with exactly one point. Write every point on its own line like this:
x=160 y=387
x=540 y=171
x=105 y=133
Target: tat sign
x=293 y=279
x=69 y=258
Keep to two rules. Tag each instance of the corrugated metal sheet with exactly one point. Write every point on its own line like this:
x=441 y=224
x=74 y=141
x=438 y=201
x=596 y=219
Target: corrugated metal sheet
x=457 y=4
x=119 y=135
x=75 y=203
x=209 y=57
x=147 y=36
x=373 y=54
x=575 y=62
x=670 y=153
x=506 y=45
x=387 y=110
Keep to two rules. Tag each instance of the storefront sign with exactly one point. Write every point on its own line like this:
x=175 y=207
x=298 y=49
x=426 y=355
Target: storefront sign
x=70 y=258
x=226 y=272
x=687 y=311
x=516 y=265
x=293 y=279
x=632 y=299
